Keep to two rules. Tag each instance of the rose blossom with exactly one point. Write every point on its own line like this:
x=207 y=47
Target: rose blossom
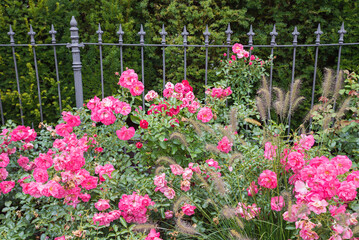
x=225 y=145
x=205 y=114
x=268 y=179
x=277 y=203
x=102 y=204
x=188 y=209
x=125 y=134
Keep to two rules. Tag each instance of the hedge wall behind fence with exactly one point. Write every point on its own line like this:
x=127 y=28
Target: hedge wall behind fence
x=174 y=14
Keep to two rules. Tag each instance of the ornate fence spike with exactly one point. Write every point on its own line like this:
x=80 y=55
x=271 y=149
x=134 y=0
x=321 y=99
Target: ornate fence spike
x=250 y=35
x=11 y=33
x=99 y=32
x=53 y=32
x=142 y=35
x=206 y=35
x=32 y=34
x=318 y=33
x=184 y=34
x=341 y=33
x=295 y=34
x=273 y=33
x=120 y=34
x=163 y=33
x=229 y=32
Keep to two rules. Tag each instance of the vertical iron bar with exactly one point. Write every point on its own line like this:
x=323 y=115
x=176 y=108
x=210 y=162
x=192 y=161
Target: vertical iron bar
x=32 y=39
x=120 y=41
x=317 y=42
x=341 y=41
x=142 y=42
x=273 y=34
x=2 y=112
x=206 y=42
x=100 y=32
x=295 y=35
x=163 y=33
x=76 y=61
x=228 y=32
x=53 y=32
x=185 y=34
x=12 y=42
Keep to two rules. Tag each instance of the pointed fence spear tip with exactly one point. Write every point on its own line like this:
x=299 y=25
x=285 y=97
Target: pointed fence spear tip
x=73 y=22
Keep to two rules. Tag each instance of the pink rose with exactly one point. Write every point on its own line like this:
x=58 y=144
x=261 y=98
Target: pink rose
x=188 y=209
x=205 y=114
x=125 y=134
x=268 y=179
x=102 y=204
x=277 y=203
x=224 y=145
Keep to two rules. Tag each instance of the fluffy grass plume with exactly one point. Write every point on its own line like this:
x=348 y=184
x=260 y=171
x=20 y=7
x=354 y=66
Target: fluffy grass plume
x=179 y=201
x=233 y=119
x=205 y=183
x=253 y=121
x=180 y=137
x=228 y=212
x=327 y=82
x=144 y=227
x=159 y=169
x=164 y=159
x=234 y=156
x=184 y=227
x=343 y=108
x=196 y=126
x=261 y=109
x=212 y=148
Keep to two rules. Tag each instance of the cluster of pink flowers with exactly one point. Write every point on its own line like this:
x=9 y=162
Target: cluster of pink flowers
x=181 y=91
x=239 y=50
x=21 y=134
x=153 y=235
x=219 y=92
x=134 y=207
x=225 y=145
x=317 y=183
x=102 y=204
x=161 y=185
x=104 y=219
x=64 y=129
x=247 y=212
x=277 y=203
x=103 y=111
x=129 y=80
x=107 y=169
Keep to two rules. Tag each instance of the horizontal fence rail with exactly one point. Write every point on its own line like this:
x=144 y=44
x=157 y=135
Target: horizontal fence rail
x=75 y=48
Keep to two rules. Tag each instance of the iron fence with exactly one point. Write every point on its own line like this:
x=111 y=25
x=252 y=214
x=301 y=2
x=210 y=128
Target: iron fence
x=75 y=46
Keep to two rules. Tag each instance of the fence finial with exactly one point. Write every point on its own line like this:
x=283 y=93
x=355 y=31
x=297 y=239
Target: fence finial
x=206 y=35
x=73 y=22
x=184 y=34
x=32 y=34
x=53 y=32
x=120 y=33
x=229 y=32
x=250 y=35
x=273 y=33
x=11 y=34
x=142 y=35
x=99 y=32
x=295 y=35
x=163 y=33
x=318 y=33
x=341 y=33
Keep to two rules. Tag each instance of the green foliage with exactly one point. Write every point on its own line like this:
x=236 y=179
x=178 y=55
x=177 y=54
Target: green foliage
x=174 y=15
